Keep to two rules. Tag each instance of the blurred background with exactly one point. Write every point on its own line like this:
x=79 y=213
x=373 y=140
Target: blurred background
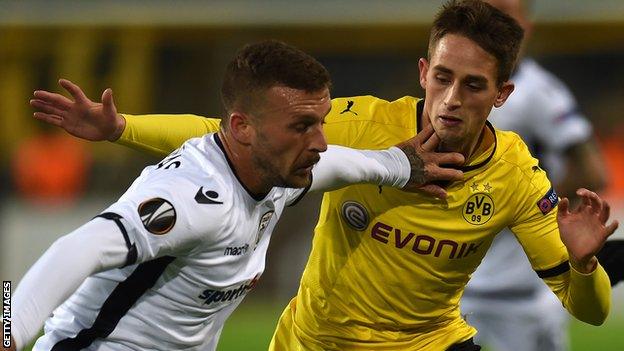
x=168 y=57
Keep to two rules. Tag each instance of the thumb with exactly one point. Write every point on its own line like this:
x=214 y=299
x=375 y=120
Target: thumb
x=564 y=205
x=108 y=102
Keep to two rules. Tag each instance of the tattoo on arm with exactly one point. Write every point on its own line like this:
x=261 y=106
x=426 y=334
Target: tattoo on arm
x=417 y=172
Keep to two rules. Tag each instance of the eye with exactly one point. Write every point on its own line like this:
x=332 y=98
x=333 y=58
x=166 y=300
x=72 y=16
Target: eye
x=475 y=87
x=301 y=127
x=442 y=79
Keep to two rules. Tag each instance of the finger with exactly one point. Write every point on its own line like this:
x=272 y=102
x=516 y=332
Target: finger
x=606 y=212
x=564 y=207
x=54 y=99
x=434 y=190
x=438 y=173
x=610 y=229
x=424 y=134
x=450 y=158
x=74 y=90
x=584 y=195
x=586 y=202
x=108 y=102
x=48 y=118
x=596 y=202
x=432 y=142
x=45 y=107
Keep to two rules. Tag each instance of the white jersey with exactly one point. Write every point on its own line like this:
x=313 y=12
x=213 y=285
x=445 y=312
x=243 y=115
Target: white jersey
x=197 y=243
x=545 y=114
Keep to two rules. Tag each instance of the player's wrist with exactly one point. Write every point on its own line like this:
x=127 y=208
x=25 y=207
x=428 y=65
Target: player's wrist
x=585 y=266
x=120 y=126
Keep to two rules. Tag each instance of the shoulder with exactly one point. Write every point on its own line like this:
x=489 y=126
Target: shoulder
x=514 y=155
x=194 y=186
x=400 y=112
x=542 y=85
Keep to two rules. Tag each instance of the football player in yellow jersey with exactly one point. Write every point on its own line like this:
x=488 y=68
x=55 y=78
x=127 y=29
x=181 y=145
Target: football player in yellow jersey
x=387 y=268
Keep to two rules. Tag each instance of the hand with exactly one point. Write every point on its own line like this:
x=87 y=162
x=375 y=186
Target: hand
x=429 y=166
x=82 y=117
x=584 y=230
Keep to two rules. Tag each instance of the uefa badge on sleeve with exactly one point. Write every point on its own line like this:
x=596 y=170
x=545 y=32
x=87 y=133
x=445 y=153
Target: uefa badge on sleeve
x=158 y=215
x=548 y=202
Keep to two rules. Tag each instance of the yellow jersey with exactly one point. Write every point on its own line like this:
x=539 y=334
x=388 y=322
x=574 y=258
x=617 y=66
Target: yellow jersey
x=387 y=267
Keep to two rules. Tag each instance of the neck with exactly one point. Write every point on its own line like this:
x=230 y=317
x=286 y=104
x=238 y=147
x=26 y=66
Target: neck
x=240 y=159
x=469 y=148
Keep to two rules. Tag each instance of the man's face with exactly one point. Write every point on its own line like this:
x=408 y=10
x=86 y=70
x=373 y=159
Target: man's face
x=289 y=135
x=460 y=89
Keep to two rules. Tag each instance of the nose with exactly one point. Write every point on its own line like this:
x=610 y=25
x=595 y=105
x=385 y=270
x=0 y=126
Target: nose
x=318 y=141
x=452 y=99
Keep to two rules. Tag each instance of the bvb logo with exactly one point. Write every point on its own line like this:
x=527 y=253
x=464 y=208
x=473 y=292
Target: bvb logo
x=478 y=209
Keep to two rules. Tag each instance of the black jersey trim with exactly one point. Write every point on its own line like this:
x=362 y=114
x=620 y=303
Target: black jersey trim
x=305 y=191
x=257 y=197
x=484 y=162
x=118 y=303
x=420 y=106
x=131 y=258
x=555 y=271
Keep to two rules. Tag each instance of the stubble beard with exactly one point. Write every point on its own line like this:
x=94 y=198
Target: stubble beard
x=263 y=161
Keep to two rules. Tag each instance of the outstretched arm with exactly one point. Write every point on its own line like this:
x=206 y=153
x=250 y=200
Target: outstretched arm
x=94 y=247
x=86 y=119
x=586 y=291
x=412 y=165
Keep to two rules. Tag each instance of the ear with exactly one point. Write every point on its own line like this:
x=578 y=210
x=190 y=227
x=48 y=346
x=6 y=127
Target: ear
x=423 y=68
x=241 y=127
x=503 y=93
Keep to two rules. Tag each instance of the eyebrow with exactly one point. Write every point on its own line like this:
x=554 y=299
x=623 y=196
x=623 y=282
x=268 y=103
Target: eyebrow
x=470 y=77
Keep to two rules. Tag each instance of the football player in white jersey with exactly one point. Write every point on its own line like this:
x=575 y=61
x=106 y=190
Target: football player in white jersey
x=505 y=300
x=164 y=266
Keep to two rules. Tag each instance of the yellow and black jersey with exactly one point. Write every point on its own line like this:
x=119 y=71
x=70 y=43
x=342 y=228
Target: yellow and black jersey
x=387 y=267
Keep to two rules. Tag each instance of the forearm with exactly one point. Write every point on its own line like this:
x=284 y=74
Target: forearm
x=94 y=247
x=161 y=134
x=586 y=296
x=340 y=166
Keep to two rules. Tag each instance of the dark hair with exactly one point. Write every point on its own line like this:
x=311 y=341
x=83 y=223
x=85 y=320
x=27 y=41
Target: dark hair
x=262 y=65
x=494 y=31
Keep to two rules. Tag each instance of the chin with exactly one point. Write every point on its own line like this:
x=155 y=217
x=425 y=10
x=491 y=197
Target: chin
x=298 y=181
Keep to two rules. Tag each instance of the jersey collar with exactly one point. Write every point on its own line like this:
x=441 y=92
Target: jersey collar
x=257 y=197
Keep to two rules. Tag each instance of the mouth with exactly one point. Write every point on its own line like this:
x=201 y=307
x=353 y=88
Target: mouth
x=449 y=121
x=306 y=167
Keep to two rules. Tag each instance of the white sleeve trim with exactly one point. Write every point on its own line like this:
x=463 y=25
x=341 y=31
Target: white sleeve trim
x=94 y=247
x=340 y=166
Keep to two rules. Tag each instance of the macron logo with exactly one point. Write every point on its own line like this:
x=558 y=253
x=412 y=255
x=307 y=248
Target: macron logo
x=209 y=197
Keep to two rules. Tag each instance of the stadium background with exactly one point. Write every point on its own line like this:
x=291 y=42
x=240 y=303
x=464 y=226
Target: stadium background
x=168 y=56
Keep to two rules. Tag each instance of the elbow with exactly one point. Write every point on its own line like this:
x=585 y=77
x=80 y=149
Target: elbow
x=596 y=321
x=598 y=317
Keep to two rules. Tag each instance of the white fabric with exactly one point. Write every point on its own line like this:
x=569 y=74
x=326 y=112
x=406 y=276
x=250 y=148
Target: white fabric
x=543 y=111
x=210 y=258
x=93 y=247
x=340 y=166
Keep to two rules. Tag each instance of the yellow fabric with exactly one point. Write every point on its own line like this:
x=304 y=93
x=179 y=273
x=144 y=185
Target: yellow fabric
x=161 y=134
x=391 y=276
